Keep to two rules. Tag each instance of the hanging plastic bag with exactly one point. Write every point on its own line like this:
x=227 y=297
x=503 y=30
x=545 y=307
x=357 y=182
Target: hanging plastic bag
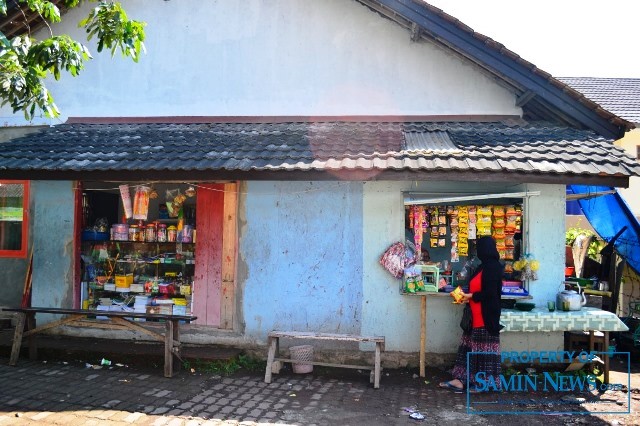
x=395 y=259
x=126 y=200
x=141 y=202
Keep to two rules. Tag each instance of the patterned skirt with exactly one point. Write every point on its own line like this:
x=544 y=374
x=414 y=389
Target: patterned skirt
x=489 y=363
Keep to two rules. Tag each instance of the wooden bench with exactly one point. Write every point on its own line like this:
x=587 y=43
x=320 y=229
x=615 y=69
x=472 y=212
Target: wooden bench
x=273 y=359
x=26 y=320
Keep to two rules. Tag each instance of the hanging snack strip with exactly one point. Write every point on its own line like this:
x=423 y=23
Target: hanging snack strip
x=498 y=227
x=433 y=214
x=472 y=223
x=463 y=231
x=483 y=222
x=442 y=227
x=418 y=224
x=454 y=226
x=510 y=228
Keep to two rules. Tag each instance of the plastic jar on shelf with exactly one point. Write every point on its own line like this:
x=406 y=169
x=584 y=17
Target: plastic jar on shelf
x=172 y=234
x=150 y=233
x=134 y=233
x=162 y=233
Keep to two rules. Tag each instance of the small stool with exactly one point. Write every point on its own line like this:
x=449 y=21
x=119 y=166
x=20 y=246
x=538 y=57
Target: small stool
x=579 y=341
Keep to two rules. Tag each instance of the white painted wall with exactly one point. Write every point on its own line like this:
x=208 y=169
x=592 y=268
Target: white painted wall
x=271 y=58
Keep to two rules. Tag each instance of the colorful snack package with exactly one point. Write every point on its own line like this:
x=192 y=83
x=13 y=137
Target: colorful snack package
x=457 y=295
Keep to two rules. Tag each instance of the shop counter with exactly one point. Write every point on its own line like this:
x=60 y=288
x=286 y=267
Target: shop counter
x=26 y=327
x=586 y=319
x=539 y=319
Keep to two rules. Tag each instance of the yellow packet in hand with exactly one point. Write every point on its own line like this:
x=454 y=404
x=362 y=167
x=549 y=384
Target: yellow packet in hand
x=457 y=295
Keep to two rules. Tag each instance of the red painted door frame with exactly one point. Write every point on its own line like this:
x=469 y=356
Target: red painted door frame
x=207 y=292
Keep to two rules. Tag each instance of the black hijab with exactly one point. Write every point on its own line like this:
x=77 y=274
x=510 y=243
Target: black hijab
x=489 y=295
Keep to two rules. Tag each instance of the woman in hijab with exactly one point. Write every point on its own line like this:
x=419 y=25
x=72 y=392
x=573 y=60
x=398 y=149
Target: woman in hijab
x=485 y=286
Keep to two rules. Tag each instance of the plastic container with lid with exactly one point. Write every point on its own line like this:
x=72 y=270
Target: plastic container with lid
x=150 y=233
x=161 y=233
x=134 y=233
x=172 y=234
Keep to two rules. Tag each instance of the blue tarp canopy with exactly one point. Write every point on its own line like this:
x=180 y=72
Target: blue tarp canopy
x=608 y=214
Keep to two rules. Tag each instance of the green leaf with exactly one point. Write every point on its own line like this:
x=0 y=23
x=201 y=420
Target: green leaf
x=26 y=63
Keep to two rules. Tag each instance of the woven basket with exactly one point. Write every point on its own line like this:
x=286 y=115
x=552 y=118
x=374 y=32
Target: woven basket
x=302 y=353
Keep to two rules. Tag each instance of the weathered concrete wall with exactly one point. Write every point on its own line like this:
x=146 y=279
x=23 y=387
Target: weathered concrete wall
x=386 y=312
x=301 y=244
x=53 y=255
x=260 y=58
x=308 y=260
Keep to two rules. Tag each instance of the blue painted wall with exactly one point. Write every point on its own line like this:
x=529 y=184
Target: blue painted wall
x=300 y=257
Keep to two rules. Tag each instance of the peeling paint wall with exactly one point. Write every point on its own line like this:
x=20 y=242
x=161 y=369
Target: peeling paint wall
x=386 y=312
x=302 y=247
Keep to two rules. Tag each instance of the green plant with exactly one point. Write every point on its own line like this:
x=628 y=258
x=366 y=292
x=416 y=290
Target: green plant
x=26 y=63
x=227 y=366
x=594 y=247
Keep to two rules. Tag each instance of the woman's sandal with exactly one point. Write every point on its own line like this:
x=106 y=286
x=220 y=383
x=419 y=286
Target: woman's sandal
x=448 y=385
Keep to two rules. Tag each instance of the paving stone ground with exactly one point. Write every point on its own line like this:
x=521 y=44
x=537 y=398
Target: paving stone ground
x=69 y=393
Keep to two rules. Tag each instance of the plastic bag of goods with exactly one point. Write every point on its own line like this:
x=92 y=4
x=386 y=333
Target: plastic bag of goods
x=141 y=202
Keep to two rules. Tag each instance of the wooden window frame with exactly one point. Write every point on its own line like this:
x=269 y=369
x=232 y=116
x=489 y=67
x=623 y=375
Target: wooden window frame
x=22 y=253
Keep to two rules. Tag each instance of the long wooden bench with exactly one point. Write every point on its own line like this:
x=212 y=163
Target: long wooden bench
x=26 y=327
x=273 y=359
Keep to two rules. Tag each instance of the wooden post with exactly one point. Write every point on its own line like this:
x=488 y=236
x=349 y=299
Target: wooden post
x=272 y=343
x=17 y=338
x=606 y=356
x=376 y=371
x=33 y=344
x=177 y=348
x=168 y=349
x=229 y=254
x=423 y=334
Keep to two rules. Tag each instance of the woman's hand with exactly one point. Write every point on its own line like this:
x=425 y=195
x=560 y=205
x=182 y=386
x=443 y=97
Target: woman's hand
x=466 y=297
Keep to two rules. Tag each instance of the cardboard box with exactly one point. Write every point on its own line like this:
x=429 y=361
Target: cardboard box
x=124 y=280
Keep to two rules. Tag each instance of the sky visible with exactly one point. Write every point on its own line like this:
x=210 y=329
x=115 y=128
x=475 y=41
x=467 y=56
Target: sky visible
x=566 y=38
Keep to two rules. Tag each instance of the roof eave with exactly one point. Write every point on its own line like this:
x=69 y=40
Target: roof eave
x=318 y=175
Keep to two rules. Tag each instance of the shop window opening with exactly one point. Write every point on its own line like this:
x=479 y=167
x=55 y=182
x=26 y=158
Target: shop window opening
x=444 y=231
x=14 y=223
x=138 y=247
x=159 y=248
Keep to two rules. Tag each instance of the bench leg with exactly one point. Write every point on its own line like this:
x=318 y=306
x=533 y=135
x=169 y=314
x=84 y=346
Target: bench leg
x=606 y=357
x=272 y=343
x=177 y=349
x=376 y=371
x=168 y=349
x=17 y=338
x=33 y=344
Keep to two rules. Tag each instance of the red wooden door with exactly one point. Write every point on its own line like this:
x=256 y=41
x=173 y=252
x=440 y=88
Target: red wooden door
x=208 y=272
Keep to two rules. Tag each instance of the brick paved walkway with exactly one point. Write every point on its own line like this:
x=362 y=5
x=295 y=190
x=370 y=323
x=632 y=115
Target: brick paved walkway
x=69 y=393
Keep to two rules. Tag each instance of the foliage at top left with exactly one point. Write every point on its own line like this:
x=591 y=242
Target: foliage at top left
x=25 y=62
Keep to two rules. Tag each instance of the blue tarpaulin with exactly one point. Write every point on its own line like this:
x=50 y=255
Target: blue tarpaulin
x=608 y=214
